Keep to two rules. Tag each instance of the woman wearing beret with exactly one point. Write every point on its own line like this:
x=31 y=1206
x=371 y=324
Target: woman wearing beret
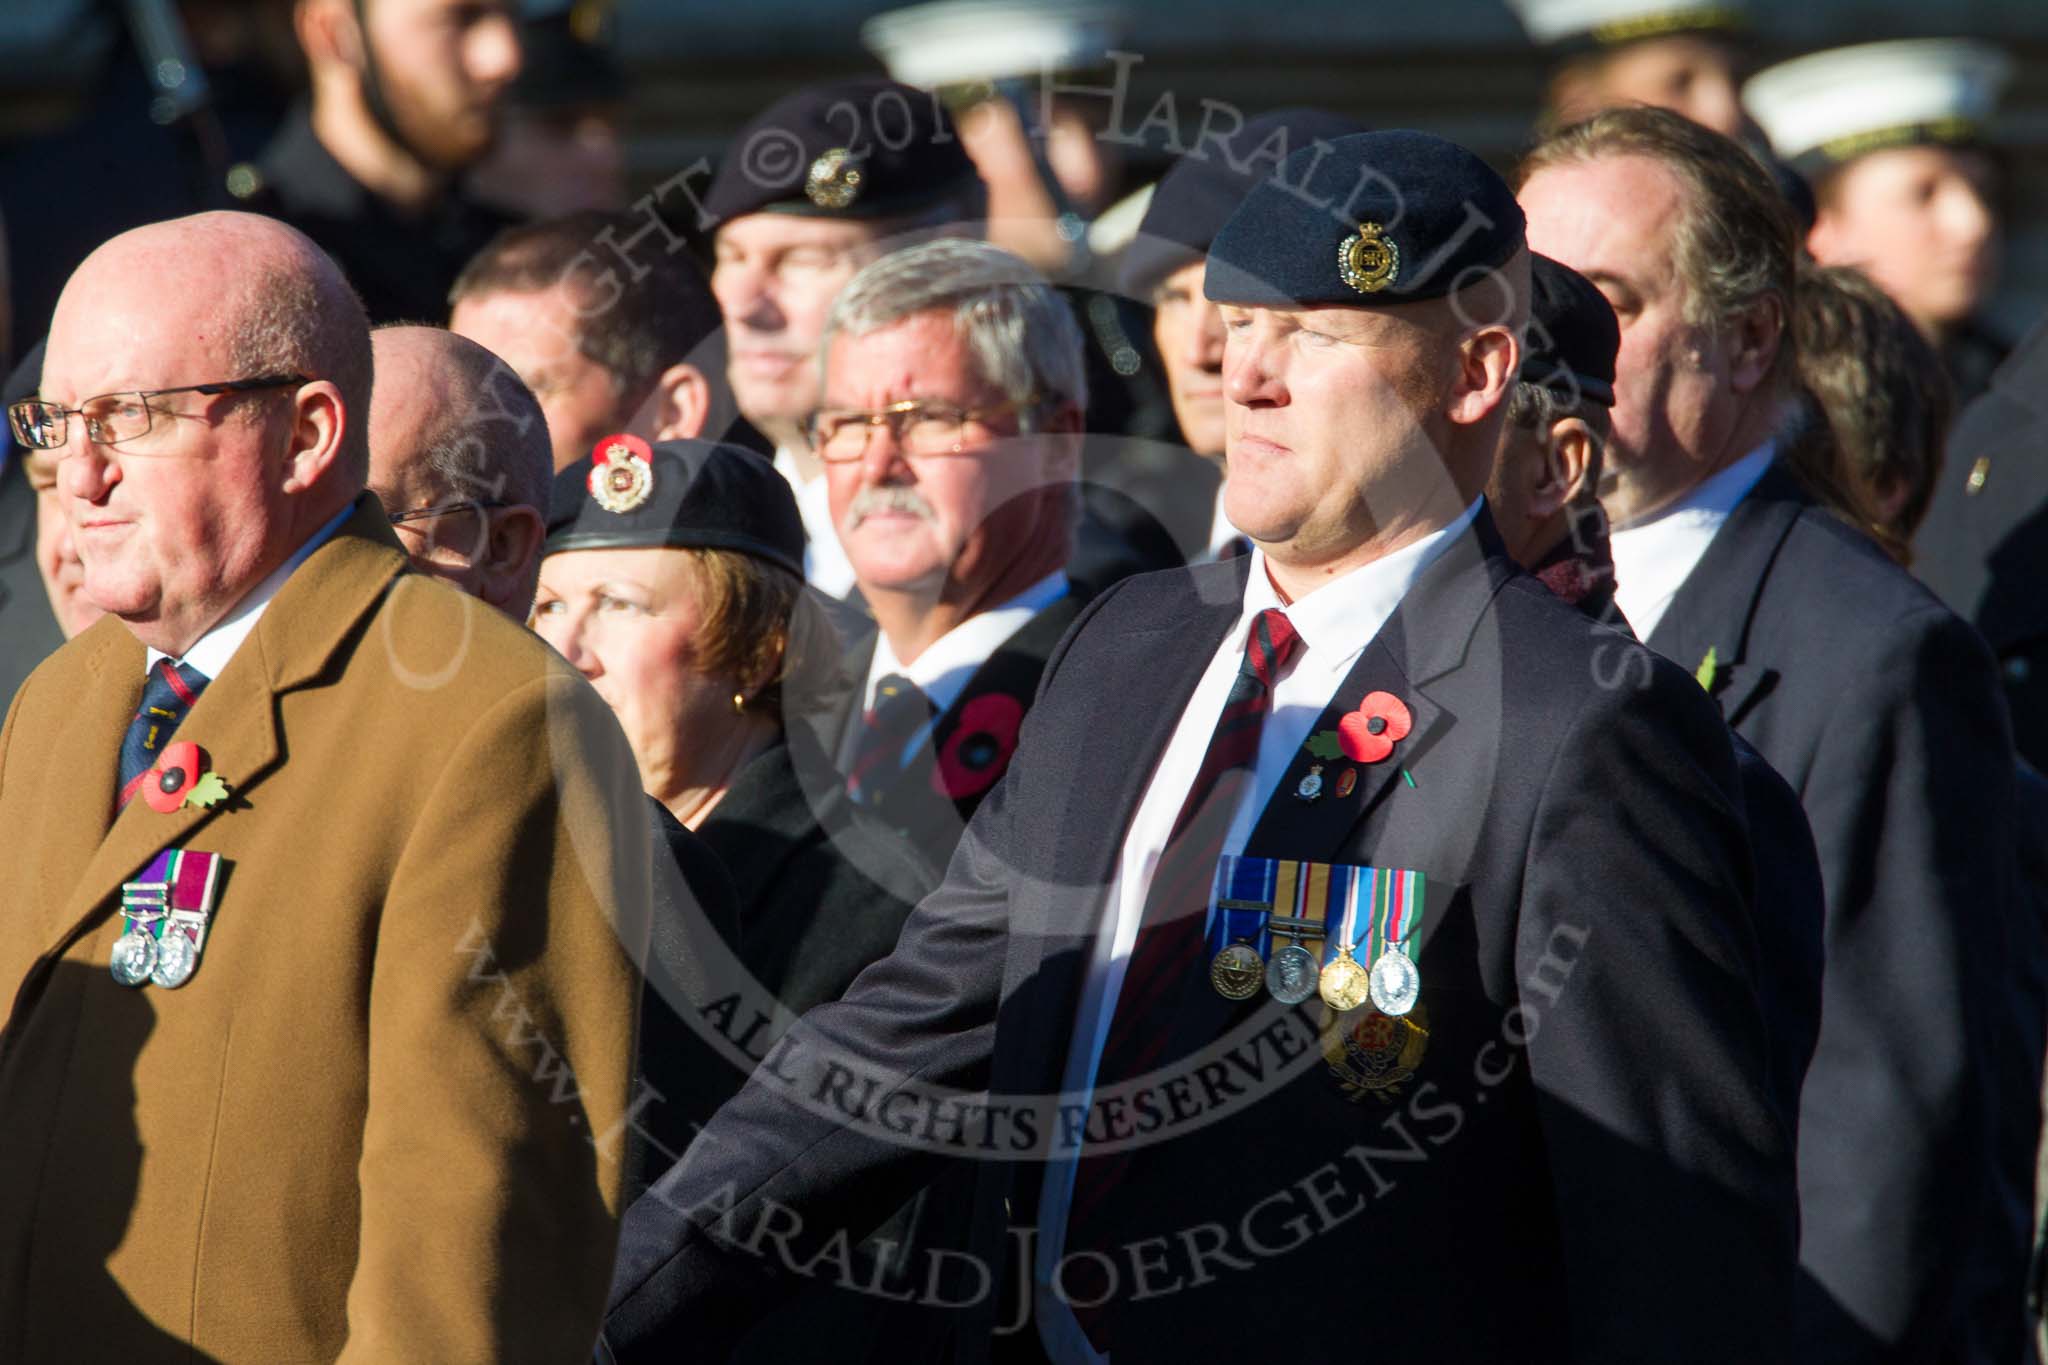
x=671 y=580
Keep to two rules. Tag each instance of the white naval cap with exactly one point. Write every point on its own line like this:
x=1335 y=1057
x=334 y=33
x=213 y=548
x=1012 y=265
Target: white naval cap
x=1827 y=108
x=1610 y=23
x=956 y=41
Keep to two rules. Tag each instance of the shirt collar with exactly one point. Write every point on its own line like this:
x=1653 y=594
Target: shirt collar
x=1715 y=496
x=943 y=669
x=1339 y=619
x=213 y=650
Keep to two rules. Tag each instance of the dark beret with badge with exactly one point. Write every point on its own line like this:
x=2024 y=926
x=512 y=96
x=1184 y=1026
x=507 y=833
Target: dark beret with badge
x=1199 y=192
x=858 y=149
x=1367 y=220
x=1573 y=335
x=702 y=495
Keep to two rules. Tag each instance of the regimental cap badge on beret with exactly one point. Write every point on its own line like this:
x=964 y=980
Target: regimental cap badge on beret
x=621 y=473
x=834 y=180
x=1367 y=260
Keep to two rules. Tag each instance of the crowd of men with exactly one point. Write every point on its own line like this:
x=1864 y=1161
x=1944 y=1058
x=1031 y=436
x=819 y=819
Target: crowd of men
x=711 y=779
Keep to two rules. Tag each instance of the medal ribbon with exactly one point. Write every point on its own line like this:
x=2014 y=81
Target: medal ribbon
x=194 y=880
x=146 y=901
x=1400 y=916
x=1350 y=932
x=1247 y=892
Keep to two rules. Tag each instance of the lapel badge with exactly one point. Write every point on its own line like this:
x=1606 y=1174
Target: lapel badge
x=1368 y=260
x=1311 y=785
x=621 y=473
x=834 y=180
x=1347 y=782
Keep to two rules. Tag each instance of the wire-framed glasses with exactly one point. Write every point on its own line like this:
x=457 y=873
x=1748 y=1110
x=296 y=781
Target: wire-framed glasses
x=111 y=418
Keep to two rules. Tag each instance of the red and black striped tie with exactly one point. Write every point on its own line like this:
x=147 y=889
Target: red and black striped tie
x=1173 y=927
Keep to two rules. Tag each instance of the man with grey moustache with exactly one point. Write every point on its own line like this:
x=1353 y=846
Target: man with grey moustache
x=953 y=386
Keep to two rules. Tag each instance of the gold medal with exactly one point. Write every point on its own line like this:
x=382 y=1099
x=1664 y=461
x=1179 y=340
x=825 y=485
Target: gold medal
x=1237 y=972
x=1344 y=984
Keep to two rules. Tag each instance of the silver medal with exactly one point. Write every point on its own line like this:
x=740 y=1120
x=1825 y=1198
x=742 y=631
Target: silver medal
x=1395 y=983
x=176 y=958
x=135 y=956
x=1292 y=974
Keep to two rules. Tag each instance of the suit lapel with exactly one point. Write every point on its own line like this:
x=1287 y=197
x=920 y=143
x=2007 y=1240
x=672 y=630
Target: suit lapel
x=77 y=803
x=1716 y=603
x=1425 y=638
x=1156 y=672
x=236 y=719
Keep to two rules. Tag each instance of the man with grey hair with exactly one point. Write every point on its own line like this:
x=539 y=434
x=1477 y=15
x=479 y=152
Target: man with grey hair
x=320 y=962
x=459 y=458
x=953 y=385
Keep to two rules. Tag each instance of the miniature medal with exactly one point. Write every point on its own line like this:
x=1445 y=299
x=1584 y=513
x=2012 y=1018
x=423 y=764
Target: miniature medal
x=176 y=959
x=1395 y=984
x=135 y=956
x=1237 y=971
x=1291 y=976
x=1343 y=983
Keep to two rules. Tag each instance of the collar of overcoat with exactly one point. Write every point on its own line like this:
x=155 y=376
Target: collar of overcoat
x=87 y=850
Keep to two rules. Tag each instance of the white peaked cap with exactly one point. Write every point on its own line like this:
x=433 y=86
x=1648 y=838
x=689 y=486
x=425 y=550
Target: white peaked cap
x=957 y=41
x=1607 y=22
x=1833 y=105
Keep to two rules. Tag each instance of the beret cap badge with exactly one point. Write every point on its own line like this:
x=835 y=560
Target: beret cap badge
x=1367 y=260
x=834 y=180
x=621 y=474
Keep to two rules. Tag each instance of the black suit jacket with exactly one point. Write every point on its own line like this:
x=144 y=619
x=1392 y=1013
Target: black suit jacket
x=1881 y=708
x=1585 y=1163
x=915 y=803
x=28 y=629
x=1984 y=545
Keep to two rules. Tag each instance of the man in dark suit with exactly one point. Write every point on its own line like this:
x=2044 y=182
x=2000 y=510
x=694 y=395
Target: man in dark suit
x=1878 y=705
x=953 y=392
x=1541 y=497
x=1559 y=1129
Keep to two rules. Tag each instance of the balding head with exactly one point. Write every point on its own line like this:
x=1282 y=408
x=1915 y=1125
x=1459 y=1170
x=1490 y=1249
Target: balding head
x=170 y=545
x=452 y=429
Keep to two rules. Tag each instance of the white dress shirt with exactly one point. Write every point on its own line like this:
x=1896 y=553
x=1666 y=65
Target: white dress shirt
x=213 y=649
x=1336 y=622
x=942 y=671
x=1654 y=557
x=825 y=561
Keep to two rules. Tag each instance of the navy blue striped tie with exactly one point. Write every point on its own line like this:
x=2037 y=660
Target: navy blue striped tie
x=166 y=697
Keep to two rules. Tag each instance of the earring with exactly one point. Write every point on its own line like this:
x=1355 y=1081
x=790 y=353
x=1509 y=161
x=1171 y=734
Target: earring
x=739 y=703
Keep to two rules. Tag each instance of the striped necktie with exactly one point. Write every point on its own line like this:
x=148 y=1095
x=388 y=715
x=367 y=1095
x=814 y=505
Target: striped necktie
x=166 y=697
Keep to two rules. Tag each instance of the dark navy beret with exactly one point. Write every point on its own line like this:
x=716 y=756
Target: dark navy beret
x=1199 y=192
x=860 y=149
x=1371 y=219
x=1573 y=334
x=700 y=495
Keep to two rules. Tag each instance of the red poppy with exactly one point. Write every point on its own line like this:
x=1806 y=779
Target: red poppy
x=1369 y=734
x=166 y=785
x=979 y=749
